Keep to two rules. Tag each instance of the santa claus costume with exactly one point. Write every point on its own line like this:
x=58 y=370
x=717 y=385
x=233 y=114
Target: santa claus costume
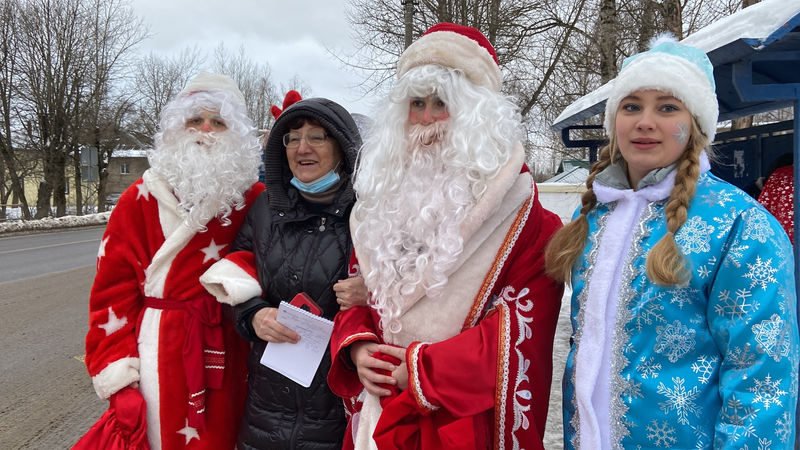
x=449 y=238
x=150 y=320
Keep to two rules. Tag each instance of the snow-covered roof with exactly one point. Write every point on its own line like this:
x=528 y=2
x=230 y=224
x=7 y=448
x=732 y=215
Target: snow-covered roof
x=129 y=153
x=757 y=26
x=574 y=175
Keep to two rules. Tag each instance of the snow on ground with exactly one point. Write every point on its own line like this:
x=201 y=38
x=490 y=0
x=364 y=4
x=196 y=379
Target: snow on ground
x=53 y=223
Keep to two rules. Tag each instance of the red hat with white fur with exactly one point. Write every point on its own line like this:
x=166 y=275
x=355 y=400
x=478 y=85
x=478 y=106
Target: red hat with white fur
x=458 y=47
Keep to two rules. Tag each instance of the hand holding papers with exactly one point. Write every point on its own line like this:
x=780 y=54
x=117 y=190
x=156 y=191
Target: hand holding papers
x=299 y=362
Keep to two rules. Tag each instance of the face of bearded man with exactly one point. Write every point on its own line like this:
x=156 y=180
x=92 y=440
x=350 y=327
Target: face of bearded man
x=209 y=172
x=414 y=231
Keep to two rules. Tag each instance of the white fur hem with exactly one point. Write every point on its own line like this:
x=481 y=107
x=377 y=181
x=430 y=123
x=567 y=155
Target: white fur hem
x=116 y=376
x=229 y=283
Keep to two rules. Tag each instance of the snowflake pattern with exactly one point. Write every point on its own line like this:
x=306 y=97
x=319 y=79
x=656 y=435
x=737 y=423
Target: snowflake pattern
x=741 y=358
x=649 y=311
x=761 y=273
x=680 y=400
x=694 y=236
x=757 y=227
x=767 y=392
x=632 y=388
x=735 y=308
x=674 y=340
x=737 y=419
x=773 y=337
x=661 y=434
x=704 y=367
x=717 y=198
x=649 y=368
x=684 y=296
x=784 y=426
x=735 y=254
x=725 y=222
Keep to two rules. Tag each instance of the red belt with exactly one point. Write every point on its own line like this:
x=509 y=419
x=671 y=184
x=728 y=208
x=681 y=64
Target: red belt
x=203 y=348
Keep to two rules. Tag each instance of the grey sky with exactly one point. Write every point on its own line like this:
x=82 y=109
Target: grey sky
x=291 y=35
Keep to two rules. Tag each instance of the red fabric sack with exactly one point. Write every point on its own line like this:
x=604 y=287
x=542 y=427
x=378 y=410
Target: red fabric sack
x=122 y=426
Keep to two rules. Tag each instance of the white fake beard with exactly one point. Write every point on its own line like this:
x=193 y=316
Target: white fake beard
x=208 y=172
x=413 y=233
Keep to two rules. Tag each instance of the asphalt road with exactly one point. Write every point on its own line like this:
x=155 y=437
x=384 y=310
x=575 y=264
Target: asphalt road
x=46 y=397
x=37 y=254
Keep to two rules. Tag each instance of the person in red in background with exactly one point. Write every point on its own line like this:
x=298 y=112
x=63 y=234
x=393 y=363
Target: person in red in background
x=454 y=349
x=152 y=326
x=778 y=197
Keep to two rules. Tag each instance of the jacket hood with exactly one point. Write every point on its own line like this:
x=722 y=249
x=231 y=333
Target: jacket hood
x=336 y=121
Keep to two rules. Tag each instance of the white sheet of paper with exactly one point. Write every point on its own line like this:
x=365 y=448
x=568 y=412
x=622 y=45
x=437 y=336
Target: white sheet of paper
x=299 y=362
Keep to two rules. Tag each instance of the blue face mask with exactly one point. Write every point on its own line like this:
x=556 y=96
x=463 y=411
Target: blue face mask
x=321 y=184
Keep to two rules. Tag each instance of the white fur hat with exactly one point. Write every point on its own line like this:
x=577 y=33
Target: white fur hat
x=208 y=82
x=458 y=47
x=683 y=71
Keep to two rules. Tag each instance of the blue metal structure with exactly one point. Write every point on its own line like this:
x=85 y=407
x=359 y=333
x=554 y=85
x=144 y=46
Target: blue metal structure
x=756 y=58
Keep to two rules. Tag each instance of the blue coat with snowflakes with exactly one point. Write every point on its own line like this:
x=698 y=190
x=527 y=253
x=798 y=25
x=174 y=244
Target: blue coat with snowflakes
x=709 y=364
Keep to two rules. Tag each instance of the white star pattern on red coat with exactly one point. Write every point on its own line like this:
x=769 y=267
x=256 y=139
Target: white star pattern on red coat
x=102 y=250
x=212 y=251
x=114 y=323
x=143 y=192
x=189 y=432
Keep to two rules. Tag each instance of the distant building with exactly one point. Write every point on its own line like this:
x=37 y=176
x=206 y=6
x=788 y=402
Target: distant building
x=124 y=167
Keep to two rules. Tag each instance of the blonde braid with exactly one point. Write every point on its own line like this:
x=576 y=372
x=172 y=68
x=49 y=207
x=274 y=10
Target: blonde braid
x=567 y=244
x=665 y=264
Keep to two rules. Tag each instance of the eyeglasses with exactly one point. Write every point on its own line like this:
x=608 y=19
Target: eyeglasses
x=314 y=139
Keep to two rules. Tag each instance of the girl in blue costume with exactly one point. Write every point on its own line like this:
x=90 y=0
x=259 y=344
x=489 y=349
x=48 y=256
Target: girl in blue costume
x=683 y=304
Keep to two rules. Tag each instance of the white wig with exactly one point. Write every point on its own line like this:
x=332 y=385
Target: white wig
x=209 y=172
x=411 y=203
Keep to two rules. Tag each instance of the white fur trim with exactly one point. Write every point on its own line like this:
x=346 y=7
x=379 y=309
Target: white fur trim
x=229 y=283
x=213 y=82
x=150 y=385
x=668 y=73
x=456 y=51
x=116 y=376
x=176 y=233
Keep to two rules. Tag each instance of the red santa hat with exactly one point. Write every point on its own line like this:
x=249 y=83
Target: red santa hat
x=213 y=82
x=458 y=47
x=290 y=99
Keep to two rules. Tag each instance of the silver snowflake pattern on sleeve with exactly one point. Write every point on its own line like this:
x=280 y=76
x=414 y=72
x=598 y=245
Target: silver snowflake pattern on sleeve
x=680 y=400
x=761 y=273
x=674 y=340
x=767 y=392
x=757 y=227
x=773 y=337
x=694 y=236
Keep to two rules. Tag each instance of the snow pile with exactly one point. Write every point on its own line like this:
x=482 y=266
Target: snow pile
x=51 y=223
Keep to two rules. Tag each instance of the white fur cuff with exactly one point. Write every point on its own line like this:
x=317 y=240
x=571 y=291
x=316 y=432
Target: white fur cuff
x=116 y=376
x=229 y=283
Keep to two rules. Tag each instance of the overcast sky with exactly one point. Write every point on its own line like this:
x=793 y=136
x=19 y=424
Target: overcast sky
x=290 y=35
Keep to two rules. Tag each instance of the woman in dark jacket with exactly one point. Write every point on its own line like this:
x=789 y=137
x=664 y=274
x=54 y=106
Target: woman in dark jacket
x=298 y=231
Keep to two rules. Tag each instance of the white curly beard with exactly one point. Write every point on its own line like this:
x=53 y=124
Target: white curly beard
x=412 y=234
x=209 y=172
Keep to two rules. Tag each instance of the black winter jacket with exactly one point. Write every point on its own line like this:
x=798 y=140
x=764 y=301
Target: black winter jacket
x=299 y=247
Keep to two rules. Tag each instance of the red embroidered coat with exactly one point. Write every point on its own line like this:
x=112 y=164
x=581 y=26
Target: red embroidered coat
x=483 y=377
x=778 y=197
x=150 y=320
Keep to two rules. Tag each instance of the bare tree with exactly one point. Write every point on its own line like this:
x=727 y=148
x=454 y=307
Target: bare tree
x=114 y=31
x=254 y=80
x=157 y=80
x=9 y=55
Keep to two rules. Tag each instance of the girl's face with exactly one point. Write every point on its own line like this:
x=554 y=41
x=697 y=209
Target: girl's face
x=653 y=129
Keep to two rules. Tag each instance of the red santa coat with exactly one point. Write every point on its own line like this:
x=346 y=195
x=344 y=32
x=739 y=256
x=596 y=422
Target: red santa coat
x=483 y=378
x=151 y=321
